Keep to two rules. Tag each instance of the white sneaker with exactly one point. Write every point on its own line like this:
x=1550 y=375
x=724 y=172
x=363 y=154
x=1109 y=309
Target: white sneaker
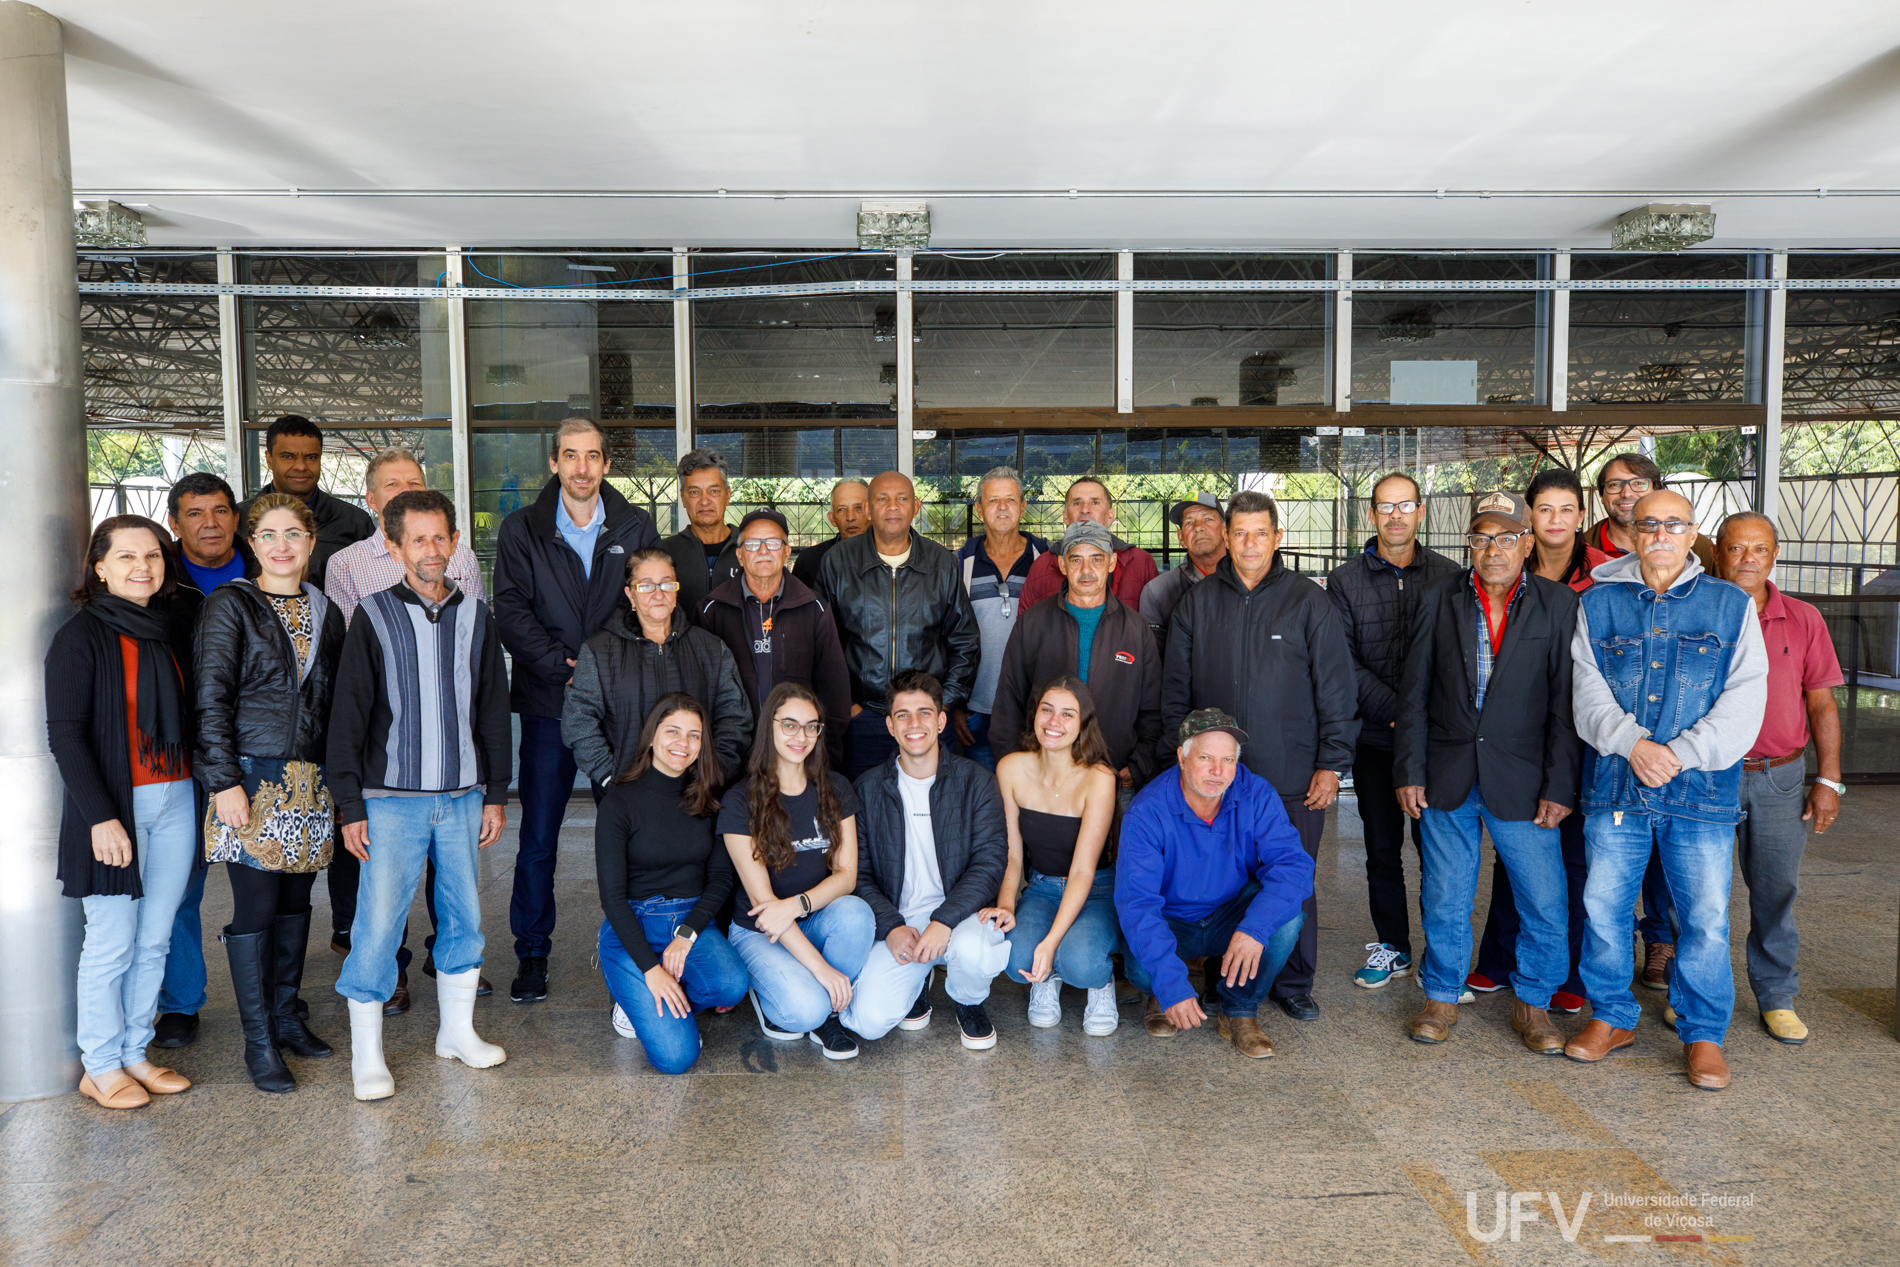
x=1045 y=1003
x=623 y=1026
x=1103 y=1013
x=766 y=1027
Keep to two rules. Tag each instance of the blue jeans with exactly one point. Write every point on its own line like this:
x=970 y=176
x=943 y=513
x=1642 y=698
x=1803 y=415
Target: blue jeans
x=1534 y=857
x=183 y=989
x=404 y=833
x=979 y=750
x=1658 y=923
x=713 y=976
x=545 y=779
x=122 y=959
x=1497 y=950
x=1698 y=862
x=1082 y=954
x=867 y=744
x=1209 y=937
x=792 y=998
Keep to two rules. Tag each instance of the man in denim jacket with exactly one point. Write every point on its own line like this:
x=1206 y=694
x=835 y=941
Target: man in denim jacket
x=1671 y=682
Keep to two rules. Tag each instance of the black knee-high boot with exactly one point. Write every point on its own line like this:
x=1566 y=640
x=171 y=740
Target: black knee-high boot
x=251 y=967
x=290 y=937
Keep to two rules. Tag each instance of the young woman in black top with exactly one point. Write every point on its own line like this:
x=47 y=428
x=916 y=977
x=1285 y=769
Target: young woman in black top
x=791 y=827
x=1059 y=802
x=662 y=878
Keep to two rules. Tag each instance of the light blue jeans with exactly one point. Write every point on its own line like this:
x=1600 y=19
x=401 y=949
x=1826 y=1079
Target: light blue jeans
x=405 y=832
x=792 y=998
x=1698 y=861
x=1082 y=955
x=122 y=960
x=884 y=991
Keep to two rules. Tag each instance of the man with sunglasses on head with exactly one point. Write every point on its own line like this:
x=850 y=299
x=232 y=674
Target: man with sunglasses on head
x=777 y=629
x=1671 y=683
x=1378 y=594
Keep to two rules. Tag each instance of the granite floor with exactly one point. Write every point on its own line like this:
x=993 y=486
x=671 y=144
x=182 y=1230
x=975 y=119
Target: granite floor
x=1352 y=1145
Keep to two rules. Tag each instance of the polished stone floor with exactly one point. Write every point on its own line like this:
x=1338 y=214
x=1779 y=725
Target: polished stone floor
x=1352 y=1145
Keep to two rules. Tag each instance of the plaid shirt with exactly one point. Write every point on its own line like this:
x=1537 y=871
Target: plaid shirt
x=366 y=568
x=1487 y=654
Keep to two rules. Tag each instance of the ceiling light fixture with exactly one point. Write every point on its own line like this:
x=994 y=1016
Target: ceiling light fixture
x=1663 y=226
x=893 y=226
x=106 y=223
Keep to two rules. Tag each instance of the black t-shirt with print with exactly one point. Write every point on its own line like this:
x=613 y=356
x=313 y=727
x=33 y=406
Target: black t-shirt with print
x=809 y=842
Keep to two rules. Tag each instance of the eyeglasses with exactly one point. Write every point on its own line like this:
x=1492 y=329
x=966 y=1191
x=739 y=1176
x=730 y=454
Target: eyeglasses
x=647 y=587
x=789 y=727
x=1404 y=508
x=771 y=545
x=290 y=537
x=1502 y=540
x=1639 y=486
x=1674 y=527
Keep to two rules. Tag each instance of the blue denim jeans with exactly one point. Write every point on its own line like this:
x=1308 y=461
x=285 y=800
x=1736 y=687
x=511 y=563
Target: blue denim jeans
x=1534 y=857
x=183 y=989
x=885 y=989
x=713 y=976
x=1658 y=923
x=1082 y=954
x=1497 y=949
x=404 y=833
x=979 y=751
x=545 y=779
x=843 y=932
x=122 y=959
x=1209 y=937
x=1698 y=862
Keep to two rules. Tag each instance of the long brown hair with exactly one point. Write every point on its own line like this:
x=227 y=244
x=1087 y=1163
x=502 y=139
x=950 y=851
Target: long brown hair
x=698 y=793
x=1090 y=748
x=771 y=826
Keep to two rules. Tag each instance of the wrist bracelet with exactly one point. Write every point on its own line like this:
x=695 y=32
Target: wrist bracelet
x=804 y=900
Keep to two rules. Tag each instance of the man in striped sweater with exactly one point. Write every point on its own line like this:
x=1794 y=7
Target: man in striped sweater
x=418 y=764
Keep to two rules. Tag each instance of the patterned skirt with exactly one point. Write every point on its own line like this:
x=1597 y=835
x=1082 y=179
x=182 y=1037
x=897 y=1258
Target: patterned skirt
x=292 y=819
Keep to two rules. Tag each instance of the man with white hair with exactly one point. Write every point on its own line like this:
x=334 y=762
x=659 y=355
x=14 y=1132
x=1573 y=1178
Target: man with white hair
x=1089 y=498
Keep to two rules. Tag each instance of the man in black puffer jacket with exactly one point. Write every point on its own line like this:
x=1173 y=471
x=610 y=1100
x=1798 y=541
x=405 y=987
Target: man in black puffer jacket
x=1378 y=595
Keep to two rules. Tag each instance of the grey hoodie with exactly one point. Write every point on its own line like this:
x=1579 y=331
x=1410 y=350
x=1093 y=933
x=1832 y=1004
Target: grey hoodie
x=1725 y=733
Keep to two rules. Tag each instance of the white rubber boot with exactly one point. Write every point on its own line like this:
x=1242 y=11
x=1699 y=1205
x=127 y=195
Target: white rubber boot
x=455 y=1037
x=367 y=1068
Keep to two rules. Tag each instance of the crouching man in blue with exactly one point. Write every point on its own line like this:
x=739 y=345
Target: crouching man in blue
x=1210 y=865
x=1671 y=681
x=419 y=764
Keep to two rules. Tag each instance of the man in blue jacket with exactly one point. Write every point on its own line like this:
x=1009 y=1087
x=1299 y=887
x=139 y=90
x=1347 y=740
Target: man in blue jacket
x=1210 y=865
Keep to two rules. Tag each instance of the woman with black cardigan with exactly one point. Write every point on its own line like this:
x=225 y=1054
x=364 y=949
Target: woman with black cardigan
x=118 y=720
x=266 y=653
x=662 y=877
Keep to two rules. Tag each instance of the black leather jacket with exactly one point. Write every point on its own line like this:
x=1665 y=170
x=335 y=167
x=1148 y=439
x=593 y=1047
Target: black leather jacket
x=917 y=616
x=250 y=702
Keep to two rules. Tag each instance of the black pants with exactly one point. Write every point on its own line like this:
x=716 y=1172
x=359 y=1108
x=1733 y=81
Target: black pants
x=1385 y=825
x=1297 y=976
x=259 y=897
x=1497 y=951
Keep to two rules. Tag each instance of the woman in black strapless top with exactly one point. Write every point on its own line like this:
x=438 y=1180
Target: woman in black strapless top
x=1059 y=801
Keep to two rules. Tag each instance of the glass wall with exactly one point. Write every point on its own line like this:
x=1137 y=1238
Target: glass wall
x=1660 y=346
x=1842 y=351
x=1228 y=347
x=1444 y=347
x=794 y=357
x=1014 y=350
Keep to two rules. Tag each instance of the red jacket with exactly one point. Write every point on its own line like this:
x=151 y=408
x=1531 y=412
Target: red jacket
x=1134 y=568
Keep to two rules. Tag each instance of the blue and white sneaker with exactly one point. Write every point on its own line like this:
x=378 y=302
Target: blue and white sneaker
x=1383 y=964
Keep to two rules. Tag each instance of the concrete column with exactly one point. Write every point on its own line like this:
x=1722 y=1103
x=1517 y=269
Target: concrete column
x=43 y=470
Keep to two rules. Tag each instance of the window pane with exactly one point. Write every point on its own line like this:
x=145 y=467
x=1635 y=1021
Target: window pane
x=1444 y=348
x=1843 y=347
x=817 y=356
x=1657 y=345
x=347 y=451
x=511 y=469
x=1230 y=348
x=1008 y=350
x=153 y=359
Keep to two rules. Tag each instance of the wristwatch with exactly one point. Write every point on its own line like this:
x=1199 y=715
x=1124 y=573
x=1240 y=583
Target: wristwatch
x=685 y=934
x=1840 y=789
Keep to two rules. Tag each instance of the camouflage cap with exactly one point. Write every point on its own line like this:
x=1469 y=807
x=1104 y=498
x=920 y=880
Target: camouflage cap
x=1203 y=720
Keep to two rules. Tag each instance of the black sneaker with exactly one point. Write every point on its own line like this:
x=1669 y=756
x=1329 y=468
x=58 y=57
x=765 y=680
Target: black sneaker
x=175 y=1029
x=973 y=1027
x=340 y=941
x=834 y=1039
x=531 y=985
x=919 y=1015
x=1300 y=1007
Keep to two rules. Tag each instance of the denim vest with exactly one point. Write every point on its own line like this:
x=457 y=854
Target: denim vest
x=1665 y=658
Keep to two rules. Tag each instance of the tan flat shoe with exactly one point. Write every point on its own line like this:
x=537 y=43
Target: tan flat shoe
x=126 y=1093
x=1784 y=1026
x=161 y=1081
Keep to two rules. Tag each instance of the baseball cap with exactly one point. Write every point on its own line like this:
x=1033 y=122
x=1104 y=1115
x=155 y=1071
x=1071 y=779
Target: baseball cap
x=770 y=516
x=1500 y=505
x=1200 y=499
x=1085 y=533
x=1203 y=720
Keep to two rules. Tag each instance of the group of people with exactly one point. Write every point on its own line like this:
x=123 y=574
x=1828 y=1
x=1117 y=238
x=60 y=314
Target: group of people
x=816 y=785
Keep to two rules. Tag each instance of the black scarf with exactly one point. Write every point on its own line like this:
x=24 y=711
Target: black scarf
x=161 y=719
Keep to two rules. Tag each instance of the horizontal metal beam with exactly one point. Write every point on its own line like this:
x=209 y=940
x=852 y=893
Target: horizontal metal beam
x=781 y=195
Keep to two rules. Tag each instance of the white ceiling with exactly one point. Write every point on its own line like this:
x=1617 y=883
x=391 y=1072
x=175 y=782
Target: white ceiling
x=1631 y=97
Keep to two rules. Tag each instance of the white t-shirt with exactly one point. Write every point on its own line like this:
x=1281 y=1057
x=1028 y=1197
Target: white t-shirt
x=923 y=878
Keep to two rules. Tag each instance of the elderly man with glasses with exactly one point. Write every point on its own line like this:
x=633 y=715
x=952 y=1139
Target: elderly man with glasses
x=1671 y=684
x=777 y=629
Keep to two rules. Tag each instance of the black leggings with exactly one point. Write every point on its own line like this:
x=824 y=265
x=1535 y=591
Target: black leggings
x=259 y=897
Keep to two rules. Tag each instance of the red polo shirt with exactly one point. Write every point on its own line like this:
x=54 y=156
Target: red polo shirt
x=1800 y=658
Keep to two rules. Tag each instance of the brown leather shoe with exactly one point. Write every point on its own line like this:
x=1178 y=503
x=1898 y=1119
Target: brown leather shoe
x=1157 y=1020
x=1535 y=1025
x=1597 y=1041
x=1245 y=1033
x=1707 y=1069
x=124 y=1093
x=1434 y=1021
x=1656 y=957
x=161 y=1081
x=399 y=999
